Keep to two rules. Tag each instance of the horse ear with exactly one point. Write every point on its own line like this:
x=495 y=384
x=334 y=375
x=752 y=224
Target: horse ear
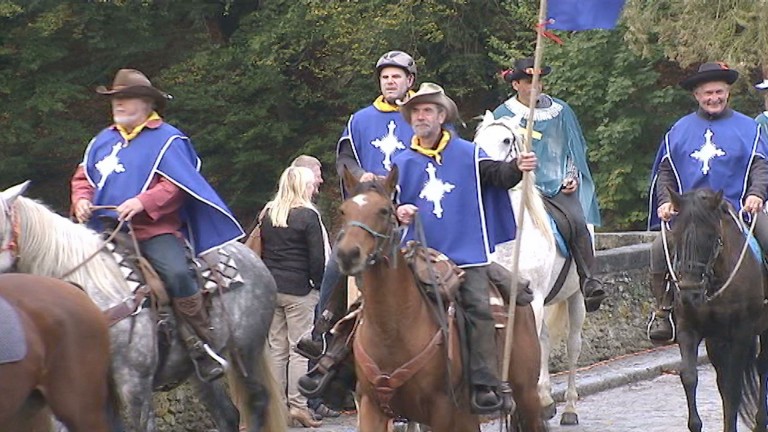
x=675 y=197
x=719 y=196
x=13 y=192
x=350 y=181
x=390 y=183
x=488 y=117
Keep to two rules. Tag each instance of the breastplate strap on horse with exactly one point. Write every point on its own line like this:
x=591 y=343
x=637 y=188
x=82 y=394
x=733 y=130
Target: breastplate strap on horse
x=386 y=384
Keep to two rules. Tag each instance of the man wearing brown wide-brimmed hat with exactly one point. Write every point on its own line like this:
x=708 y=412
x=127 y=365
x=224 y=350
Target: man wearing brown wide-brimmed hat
x=461 y=197
x=714 y=147
x=149 y=170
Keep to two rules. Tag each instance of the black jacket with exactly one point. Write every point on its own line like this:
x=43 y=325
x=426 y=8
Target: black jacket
x=295 y=255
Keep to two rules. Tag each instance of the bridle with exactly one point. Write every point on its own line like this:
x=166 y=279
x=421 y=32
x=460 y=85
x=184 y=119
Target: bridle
x=512 y=148
x=707 y=273
x=383 y=239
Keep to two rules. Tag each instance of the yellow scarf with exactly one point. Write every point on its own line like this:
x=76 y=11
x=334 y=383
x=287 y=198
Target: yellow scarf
x=135 y=132
x=433 y=153
x=384 y=106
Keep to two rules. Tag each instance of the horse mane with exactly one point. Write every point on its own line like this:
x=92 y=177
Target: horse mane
x=51 y=245
x=532 y=199
x=370 y=186
x=699 y=220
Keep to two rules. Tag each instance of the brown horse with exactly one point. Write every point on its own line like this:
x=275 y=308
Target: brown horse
x=400 y=354
x=66 y=365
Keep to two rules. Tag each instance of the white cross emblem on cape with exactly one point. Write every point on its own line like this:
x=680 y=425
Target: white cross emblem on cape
x=388 y=144
x=707 y=152
x=434 y=190
x=109 y=164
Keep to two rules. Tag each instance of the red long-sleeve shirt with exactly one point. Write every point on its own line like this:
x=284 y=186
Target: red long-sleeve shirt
x=161 y=201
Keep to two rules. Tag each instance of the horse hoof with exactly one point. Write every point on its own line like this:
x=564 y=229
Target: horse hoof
x=548 y=412
x=569 y=419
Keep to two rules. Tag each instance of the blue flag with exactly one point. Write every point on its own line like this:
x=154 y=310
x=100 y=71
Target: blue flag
x=577 y=15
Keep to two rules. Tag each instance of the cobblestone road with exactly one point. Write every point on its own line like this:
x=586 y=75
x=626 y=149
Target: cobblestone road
x=656 y=405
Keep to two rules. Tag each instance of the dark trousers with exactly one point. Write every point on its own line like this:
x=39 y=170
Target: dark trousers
x=566 y=210
x=483 y=363
x=168 y=256
x=331 y=278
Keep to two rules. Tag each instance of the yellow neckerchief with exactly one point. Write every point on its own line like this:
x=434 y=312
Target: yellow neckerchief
x=132 y=134
x=384 y=106
x=433 y=153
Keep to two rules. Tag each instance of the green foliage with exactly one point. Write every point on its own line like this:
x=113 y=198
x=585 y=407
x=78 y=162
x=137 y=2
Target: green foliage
x=257 y=83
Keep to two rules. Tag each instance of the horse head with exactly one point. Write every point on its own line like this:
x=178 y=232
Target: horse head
x=369 y=222
x=699 y=239
x=499 y=137
x=8 y=246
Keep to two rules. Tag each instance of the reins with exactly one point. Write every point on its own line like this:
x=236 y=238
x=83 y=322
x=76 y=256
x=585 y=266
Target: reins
x=98 y=250
x=670 y=269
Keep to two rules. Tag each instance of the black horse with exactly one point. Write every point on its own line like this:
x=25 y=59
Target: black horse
x=720 y=294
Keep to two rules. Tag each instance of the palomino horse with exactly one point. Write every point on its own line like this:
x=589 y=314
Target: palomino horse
x=399 y=344
x=39 y=241
x=59 y=346
x=541 y=264
x=719 y=295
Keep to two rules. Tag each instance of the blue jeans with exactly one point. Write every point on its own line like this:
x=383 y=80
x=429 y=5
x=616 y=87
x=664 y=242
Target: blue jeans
x=168 y=256
x=331 y=279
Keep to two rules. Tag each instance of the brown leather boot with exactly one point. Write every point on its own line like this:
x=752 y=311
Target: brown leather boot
x=195 y=330
x=661 y=328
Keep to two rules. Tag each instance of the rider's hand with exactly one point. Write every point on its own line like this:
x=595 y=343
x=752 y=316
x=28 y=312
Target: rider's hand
x=526 y=161
x=82 y=210
x=569 y=186
x=405 y=213
x=753 y=204
x=367 y=177
x=666 y=211
x=129 y=208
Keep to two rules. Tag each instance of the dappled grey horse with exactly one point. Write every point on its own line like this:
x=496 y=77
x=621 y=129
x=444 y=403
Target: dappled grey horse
x=34 y=239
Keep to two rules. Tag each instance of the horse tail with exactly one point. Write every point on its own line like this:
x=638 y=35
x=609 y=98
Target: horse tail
x=750 y=390
x=556 y=317
x=275 y=414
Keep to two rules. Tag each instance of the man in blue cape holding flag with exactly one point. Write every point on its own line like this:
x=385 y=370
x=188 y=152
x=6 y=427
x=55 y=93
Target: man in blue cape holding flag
x=716 y=148
x=150 y=172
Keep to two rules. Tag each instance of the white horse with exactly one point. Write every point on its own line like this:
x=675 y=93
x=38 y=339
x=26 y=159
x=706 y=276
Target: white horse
x=541 y=263
x=34 y=239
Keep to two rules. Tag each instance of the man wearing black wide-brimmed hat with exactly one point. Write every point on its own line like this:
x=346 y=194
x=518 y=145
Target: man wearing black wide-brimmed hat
x=563 y=176
x=714 y=147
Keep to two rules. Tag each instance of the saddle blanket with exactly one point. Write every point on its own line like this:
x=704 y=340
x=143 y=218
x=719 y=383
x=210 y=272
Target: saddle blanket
x=13 y=344
x=562 y=245
x=225 y=267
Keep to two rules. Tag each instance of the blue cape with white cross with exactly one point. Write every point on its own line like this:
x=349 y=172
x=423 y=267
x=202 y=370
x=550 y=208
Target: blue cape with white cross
x=715 y=154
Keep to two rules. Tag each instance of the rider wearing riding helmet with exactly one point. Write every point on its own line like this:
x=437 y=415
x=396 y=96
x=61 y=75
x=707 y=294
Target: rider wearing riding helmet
x=372 y=137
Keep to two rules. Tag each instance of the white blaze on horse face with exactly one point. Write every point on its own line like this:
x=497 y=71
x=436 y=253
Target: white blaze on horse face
x=360 y=200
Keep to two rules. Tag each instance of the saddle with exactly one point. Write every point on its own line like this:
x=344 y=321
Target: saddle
x=216 y=272
x=433 y=270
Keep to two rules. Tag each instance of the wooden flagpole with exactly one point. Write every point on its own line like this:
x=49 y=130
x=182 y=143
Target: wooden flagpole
x=537 y=60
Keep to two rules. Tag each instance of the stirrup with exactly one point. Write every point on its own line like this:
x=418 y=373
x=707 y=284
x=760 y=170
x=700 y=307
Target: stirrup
x=477 y=409
x=671 y=324
x=322 y=383
x=206 y=351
